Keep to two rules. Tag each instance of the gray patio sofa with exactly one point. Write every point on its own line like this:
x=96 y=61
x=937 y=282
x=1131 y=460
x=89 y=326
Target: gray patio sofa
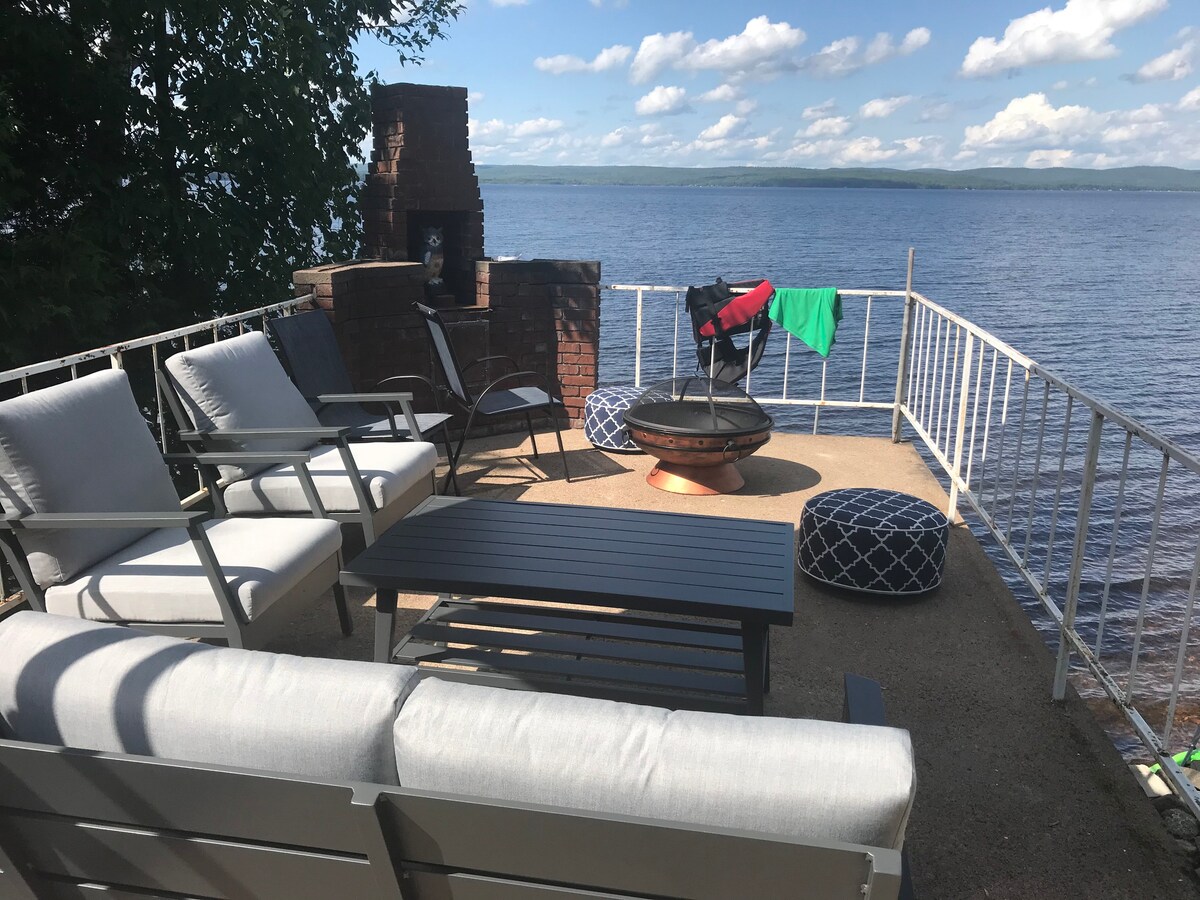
x=140 y=765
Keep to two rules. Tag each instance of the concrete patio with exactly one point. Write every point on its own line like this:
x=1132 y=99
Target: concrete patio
x=1018 y=797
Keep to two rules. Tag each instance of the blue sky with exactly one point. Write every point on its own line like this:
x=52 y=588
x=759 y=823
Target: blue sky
x=1091 y=83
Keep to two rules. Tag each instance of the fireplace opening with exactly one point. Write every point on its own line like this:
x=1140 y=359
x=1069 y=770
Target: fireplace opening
x=458 y=263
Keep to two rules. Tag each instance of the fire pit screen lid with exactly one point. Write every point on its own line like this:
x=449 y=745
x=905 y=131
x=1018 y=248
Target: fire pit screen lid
x=697 y=405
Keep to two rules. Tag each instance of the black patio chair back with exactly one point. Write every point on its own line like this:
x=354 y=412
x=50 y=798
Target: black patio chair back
x=310 y=353
x=717 y=354
x=514 y=393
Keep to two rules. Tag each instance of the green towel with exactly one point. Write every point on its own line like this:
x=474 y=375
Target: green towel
x=811 y=314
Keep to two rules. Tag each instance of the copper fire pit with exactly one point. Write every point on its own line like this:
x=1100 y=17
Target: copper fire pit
x=697 y=429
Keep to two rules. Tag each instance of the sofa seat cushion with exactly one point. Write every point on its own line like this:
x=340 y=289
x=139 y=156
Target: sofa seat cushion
x=796 y=777
x=159 y=578
x=83 y=447
x=238 y=383
x=101 y=687
x=388 y=470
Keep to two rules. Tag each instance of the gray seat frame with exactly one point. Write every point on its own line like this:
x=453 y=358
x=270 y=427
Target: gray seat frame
x=475 y=406
x=236 y=629
x=208 y=444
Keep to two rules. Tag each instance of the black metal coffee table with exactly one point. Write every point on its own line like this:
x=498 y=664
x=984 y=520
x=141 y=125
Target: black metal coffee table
x=683 y=569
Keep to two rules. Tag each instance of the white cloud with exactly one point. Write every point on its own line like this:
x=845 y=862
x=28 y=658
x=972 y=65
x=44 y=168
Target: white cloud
x=847 y=55
x=722 y=128
x=819 y=111
x=883 y=107
x=531 y=127
x=831 y=126
x=657 y=52
x=745 y=107
x=761 y=49
x=1151 y=134
x=1032 y=118
x=760 y=42
x=495 y=132
x=1081 y=30
x=664 y=100
x=475 y=97
x=1042 y=159
x=863 y=150
x=722 y=93
x=1174 y=65
x=608 y=58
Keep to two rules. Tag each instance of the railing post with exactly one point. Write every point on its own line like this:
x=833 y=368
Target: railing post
x=961 y=428
x=905 y=339
x=637 y=350
x=1086 y=490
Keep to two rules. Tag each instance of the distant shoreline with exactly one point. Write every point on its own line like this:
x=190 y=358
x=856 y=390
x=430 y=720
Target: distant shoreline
x=1140 y=178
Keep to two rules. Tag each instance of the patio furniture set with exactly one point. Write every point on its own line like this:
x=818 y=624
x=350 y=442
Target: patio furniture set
x=148 y=764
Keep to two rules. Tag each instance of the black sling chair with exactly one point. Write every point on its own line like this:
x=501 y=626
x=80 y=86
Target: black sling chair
x=718 y=315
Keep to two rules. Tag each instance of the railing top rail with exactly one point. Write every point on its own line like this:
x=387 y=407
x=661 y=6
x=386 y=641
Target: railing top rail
x=1133 y=426
x=63 y=362
x=667 y=289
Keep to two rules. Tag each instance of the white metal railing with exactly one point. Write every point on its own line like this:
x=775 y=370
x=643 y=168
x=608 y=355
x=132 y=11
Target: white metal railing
x=139 y=354
x=1087 y=505
x=779 y=379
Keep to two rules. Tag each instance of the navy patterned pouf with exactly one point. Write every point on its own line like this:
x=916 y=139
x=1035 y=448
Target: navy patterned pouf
x=869 y=539
x=604 y=417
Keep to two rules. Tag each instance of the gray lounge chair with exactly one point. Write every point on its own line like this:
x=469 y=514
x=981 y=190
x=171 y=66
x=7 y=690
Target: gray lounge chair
x=93 y=528
x=309 y=350
x=509 y=395
x=235 y=394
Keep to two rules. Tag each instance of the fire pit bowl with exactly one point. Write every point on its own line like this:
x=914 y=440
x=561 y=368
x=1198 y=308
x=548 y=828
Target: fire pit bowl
x=697 y=429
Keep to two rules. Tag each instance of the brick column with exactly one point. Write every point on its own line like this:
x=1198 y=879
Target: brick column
x=545 y=314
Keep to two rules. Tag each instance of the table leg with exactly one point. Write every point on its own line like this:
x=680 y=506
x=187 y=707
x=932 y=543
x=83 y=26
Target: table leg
x=385 y=624
x=754 y=662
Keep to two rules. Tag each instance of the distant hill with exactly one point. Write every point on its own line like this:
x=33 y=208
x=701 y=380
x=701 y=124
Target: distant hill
x=1136 y=178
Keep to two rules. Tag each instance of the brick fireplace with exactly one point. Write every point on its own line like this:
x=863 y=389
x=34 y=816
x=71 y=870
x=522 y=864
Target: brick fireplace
x=421 y=176
x=544 y=314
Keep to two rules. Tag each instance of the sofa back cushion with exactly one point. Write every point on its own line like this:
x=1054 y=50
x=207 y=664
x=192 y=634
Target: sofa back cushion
x=68 y=682
x=797 y=777
x=80 y=446
x=238 y=383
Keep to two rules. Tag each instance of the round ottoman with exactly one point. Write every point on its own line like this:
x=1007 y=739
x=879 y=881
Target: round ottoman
x=604 y=417
x=873 y=540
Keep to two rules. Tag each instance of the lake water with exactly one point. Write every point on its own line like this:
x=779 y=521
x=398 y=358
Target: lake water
x=1102 y=288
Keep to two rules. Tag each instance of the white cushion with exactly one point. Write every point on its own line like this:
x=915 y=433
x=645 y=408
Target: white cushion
x=100 y=687
x=388 y=470
x=797 y=777
x=238 y=383
x=159 y=579
x=80 y=446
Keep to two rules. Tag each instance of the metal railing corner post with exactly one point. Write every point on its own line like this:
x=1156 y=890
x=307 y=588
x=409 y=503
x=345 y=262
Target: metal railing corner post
x=905 y=339
x=960 y=429
x=1086 y=490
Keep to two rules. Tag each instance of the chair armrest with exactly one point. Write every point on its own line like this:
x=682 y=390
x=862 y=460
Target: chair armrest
x=34 y=521
x=237 y=457
x=537 y=376
x=373 y=397
x=863 y=701
x=316 y=432
x=433 y=389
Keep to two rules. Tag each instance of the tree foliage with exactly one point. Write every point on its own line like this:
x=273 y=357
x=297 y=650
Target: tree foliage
x=164 y=161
